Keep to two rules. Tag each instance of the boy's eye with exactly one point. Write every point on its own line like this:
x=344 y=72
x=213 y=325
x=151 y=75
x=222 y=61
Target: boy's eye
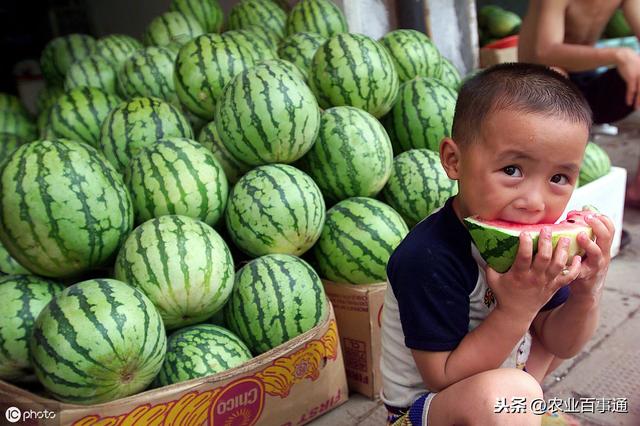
x=560 y=179
x=512 y=171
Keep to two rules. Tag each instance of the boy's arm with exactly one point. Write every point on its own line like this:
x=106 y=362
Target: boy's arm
x=550 y=48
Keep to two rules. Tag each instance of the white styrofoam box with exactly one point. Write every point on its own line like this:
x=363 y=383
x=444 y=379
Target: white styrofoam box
x=607 y=195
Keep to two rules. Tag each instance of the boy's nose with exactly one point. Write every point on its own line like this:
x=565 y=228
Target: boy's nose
x=532 y=201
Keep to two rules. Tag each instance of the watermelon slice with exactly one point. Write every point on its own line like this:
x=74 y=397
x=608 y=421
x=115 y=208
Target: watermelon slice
x=497 y=240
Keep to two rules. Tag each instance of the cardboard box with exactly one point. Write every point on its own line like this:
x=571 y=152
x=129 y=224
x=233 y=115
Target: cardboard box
x=358 y=311
x=289 y=385
x=490 y=57
x=607 y=195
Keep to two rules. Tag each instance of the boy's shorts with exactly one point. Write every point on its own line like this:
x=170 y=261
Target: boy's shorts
x=606 y=94
x=414 y=415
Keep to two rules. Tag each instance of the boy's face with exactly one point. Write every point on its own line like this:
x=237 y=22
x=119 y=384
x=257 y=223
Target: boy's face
x=522 y=169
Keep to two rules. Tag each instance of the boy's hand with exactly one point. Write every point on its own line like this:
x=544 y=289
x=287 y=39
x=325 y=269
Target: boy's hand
x=525 y=288
x=628 y=62
x=597 y=256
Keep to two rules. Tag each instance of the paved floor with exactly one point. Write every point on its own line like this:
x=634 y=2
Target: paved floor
x=609 y=365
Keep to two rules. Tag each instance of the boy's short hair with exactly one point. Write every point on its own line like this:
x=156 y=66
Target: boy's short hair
x=527 y=88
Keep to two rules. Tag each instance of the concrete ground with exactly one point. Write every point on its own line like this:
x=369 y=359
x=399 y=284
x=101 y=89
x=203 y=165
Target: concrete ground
x=609 y=365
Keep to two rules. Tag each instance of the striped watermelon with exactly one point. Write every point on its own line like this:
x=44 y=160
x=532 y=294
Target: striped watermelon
x=358 y=238
x=267 y=114
x=12 y=103
x=316 y=16
x=449 y=75
x=116 y=48
x=47 y=97
x=58 y=55
x=299 y=49
x=422 y=115
x=595 y=164
x=177 y=176
x=199 y=351
x=352 y=155
x=413 y=54
x=207 y=12
x=17 y=124
x=63 y=208
x=203 y=67
x=8 y=265
x=233 y=168
x=354 y=70
x=288 y=66
x=254 y=44
x=267 y=35
x=79 y=113
x=182 y=264
x=275 y=209
x=8 y=144
x=137 y=123
x=97 y=341
x=262 y=13
x=418 y=185
x=275 y=298
x=149 y=72
x=23 y=297
x=91 y=71
x=172 y=27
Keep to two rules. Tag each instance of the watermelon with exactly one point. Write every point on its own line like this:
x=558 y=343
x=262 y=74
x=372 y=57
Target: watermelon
x=203 y=68
x=413 y=54
x=497 y=241
x=8 y=144
x=299 y=49
x=595 y=164
x=17 y=124
x=149 y=72
x=97 y=341
x=258 y=47
x=449 y=75
x=199 y=351
x=116 y=48
x=316 y=16
x=8 y=265
x=354 y=70
x=267 y=114
x=181 y=264
x=91 y=71
x=58 y=55
x=233 y=169
x=47 y=97
x=137 y=123
x=208 y=13
x=78 y=114
x=23 y=297
x=418 y=185
x=262 y=13
x=618 y=26
x=177 y=176
x=357 y=240
x=275 y=209
x=12 y=103
x=502 y=23
x=352 y=155
x=170 y=28
x=422 y=115
x=275 y=298
x=63 y=209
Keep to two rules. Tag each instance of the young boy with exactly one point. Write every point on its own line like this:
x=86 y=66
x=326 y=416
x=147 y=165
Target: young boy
x=457 y=336
x=562 y=34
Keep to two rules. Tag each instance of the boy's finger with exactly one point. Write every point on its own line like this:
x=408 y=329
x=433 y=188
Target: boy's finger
x=545 y=252
x=569 y=273
x=604 y=237
x=607 y=221
x=591 y=249
x=524 y=254
x=560 y=258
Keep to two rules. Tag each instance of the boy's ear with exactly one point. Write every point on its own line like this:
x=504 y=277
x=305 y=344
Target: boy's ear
x=450 y=157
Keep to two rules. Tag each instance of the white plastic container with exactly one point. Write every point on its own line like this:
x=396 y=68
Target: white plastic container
x=607 y=195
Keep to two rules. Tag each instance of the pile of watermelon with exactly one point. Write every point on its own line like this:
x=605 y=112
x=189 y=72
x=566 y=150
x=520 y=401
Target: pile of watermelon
x=172 y=208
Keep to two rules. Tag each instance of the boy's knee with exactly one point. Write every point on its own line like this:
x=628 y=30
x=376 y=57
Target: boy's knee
x=513 y=383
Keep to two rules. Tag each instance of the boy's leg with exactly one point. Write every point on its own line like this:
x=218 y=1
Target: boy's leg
x=606 y=94
x=540 y=362
x=476 y=400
